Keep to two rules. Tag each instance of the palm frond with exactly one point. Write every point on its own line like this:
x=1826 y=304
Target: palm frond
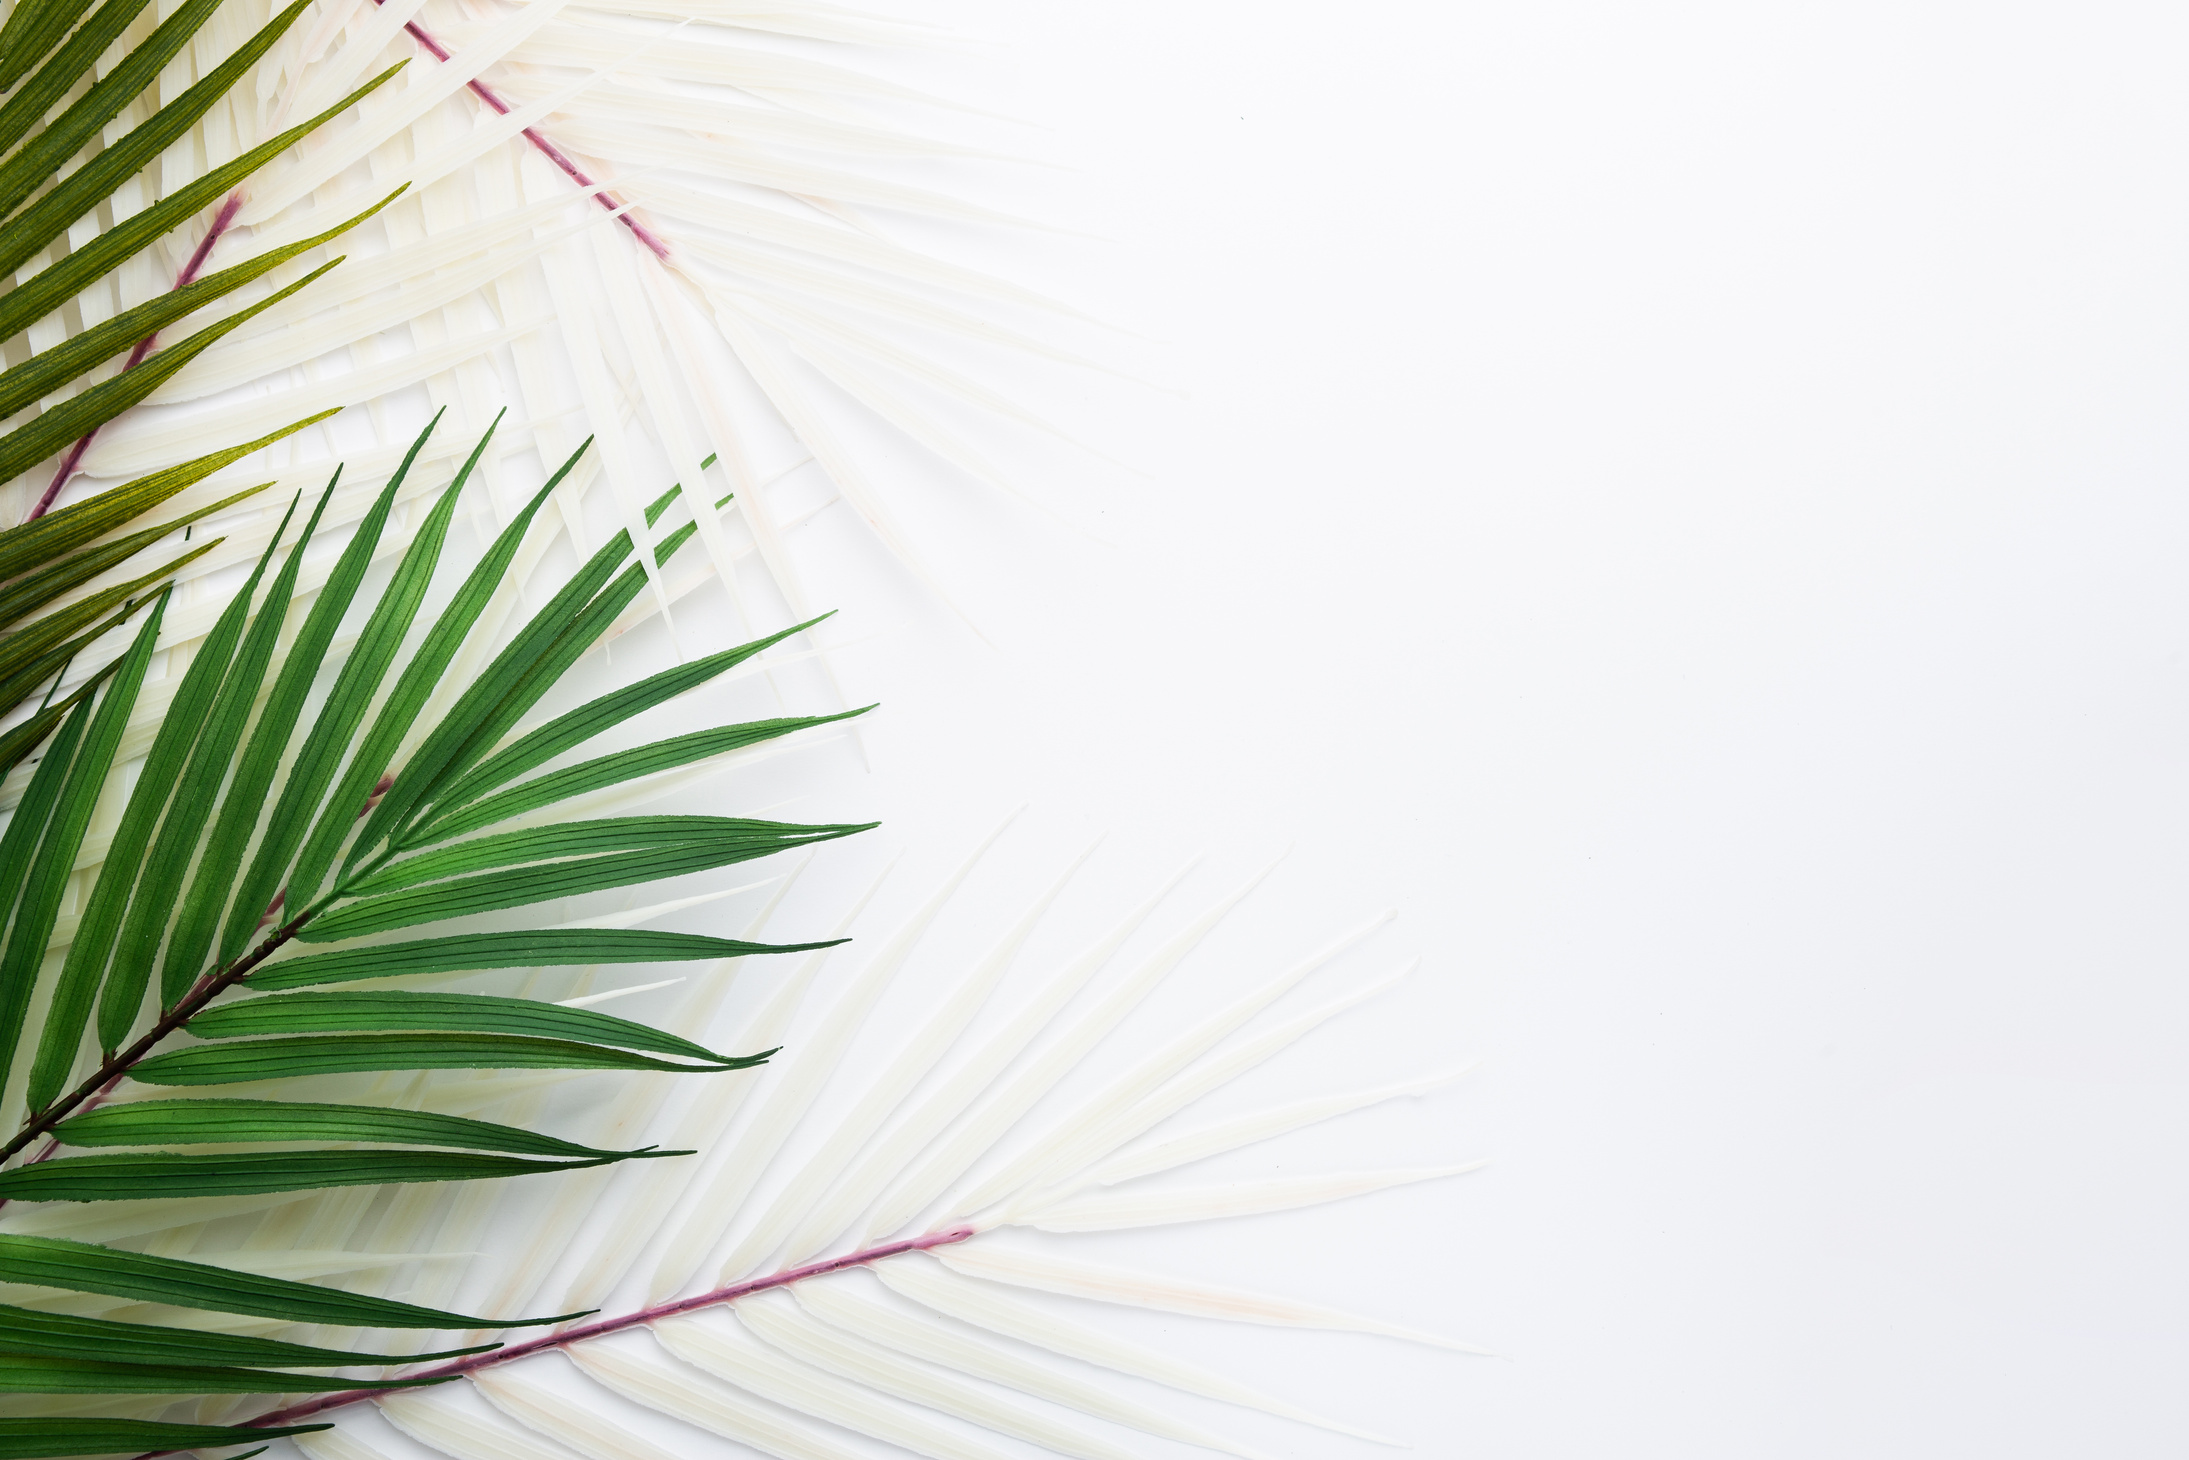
x=243 y=840
x=795 y=1304
x=734 y=240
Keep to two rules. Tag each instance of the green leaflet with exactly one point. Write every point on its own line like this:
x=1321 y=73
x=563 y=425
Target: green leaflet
x=102 y=918
x=602 y=714
x=418 y=681
x=85 y=412
x=544 y=948
x=51 y=288
x=609 y=770
x=489 y=891
x=164 y=777
x=65 y=529
x=29 y=656
x=512 y=682
x=129 y=1177
x=33 y=28
x=317 y=760
x=400 y=1009
x=52 y=368
x=548 y=843
x=53 y=666
x=160 y=883
x=194 y=1122
x=34 y=1439
x=35 y=1374
x=55 y=1262
x=28 y=824
x=34 y=917
x=45 y=154
x=79 y=192
x=239 y=809
x=65 y=1336
x=35 y=590
x=334 y=1054
x=25 y=738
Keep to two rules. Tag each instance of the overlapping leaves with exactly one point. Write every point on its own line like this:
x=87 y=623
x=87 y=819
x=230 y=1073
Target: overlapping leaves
x=253 y=828
x=48 y=51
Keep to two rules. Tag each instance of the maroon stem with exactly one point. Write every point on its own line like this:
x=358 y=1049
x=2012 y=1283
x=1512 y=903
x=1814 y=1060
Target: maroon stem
x=227 y=215
x=459 y=1367
x=114 y=1066
x=547 y=149
x=190 y=270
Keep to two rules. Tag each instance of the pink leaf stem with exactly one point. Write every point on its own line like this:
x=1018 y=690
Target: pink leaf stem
x=547 y=149
x=459 y=1367
x=229 y=209
x=190 y=270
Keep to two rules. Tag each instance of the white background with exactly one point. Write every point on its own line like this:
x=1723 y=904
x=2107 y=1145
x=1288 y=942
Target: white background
x=1686 y=502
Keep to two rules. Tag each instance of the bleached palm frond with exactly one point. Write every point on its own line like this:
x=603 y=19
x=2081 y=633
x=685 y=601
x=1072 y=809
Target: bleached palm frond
x=653 y=234
x=870 y=1247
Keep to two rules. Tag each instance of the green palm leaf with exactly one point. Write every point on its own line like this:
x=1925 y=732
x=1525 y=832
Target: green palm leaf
x=230 y=848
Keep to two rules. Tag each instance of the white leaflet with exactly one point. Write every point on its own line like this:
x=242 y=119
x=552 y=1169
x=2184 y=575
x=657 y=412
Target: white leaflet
x=696 y=1398
x=554 y=1412
x=795 y=1090
x=574 y=313
x=436 y=1423
x=1080 y=1137
x=709 y=1343
x=938 y=1342
x=904 y=1142
x=658 y=1188
x=1120 y=1122
x=587 y=1001
x=778 y=1319
x=995 y=1116
x=1262 y=1125
x=429 y=83
x=821 y=1222
x=1112 y=1211
x=1000 y=1310
x=1168 y=1294
x=122 y=451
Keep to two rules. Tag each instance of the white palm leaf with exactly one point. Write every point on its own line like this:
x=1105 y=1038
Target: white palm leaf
x=734 y=244
x=777 y=1333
